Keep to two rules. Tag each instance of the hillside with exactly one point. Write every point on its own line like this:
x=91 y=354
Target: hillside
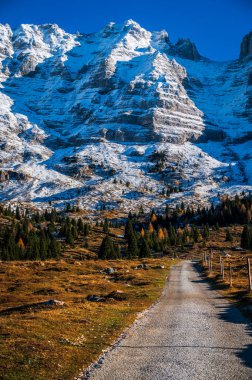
x=121 y=117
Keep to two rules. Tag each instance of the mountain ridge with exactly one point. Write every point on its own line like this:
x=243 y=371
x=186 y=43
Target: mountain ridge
x=87 y=112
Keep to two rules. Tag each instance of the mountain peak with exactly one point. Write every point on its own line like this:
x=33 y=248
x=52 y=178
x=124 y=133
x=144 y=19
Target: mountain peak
x=246 y=46
x=86 y=113
x=187 y=49
x=131 y=22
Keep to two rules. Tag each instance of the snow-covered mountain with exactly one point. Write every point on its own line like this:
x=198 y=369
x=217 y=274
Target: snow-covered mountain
x=117 y=116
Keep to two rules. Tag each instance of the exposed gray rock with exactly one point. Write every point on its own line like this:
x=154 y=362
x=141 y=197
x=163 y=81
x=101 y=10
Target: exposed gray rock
x=187 y=49
x=33 y=307
x=142 y=266
x=96 y=298
x=10 y=175
x=246 y=46
x=110 y=271
x=94 y=107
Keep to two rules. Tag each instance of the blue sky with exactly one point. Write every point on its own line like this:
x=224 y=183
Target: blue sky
x=216 y=26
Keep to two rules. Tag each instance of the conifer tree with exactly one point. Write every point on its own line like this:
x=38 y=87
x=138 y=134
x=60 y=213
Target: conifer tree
x=246 y=237
x=132 y=249
x=69 y=236
x=229 y=236
x=18 y=216
x=80 y=226
x=128 y=228
x=54 y=248
x=74 y=231
x=107 y=249
x=43 y=245
x=145 y=250
x=105 y=227
x=86 y=229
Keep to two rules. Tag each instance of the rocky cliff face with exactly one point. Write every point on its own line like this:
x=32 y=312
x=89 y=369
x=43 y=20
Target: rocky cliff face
x=83 y=115
x=246 y=46
x=187 y=49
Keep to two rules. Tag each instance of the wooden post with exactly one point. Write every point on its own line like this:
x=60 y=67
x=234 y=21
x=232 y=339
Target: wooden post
x=220 y=266
x=249 y=274
x=223 y=270
x=230 y=276
x=209 y=263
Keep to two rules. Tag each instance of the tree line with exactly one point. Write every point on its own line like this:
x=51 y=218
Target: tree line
x=38 y=236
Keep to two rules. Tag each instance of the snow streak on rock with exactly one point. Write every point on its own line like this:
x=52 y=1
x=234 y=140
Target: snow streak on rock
x=118 y=115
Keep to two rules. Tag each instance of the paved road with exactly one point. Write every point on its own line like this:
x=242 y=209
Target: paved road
x=191 y=333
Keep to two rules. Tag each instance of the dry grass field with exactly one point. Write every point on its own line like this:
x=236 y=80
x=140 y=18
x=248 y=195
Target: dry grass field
x=238 y=289
x=57 y=342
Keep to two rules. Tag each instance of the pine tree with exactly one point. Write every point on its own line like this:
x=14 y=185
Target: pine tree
x=54 y=248
x=206 y=232
x=18 y=216
x=105 y=227
x=86 y=229
x=107 y=249
x=43 y=245
x=195 y=234
x=80 y=226
x=229 y=236
x=8 y=211
x=145 y=250
x=132 y=249
x=32 y=249
x=74 y=231
x=157 y=246
x=246 y=238
x=69 y=237
x=68 y=207
x=172 y=235
x=117 y=251
x=128 y=228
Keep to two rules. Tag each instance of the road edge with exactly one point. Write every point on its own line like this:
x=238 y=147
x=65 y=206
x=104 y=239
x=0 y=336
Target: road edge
x=87 y=372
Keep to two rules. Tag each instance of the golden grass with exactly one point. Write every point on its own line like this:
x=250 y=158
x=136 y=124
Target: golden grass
x=239 y=290
x=57 y=343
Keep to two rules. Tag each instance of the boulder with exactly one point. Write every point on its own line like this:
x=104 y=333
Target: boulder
x=109 y=271
x=33 y=307
x=96 y=298
x=142 y=266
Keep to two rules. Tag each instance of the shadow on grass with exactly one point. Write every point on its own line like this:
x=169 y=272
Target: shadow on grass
x=231 y=312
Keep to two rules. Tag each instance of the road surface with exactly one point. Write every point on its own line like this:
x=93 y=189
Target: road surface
x=191 y=333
